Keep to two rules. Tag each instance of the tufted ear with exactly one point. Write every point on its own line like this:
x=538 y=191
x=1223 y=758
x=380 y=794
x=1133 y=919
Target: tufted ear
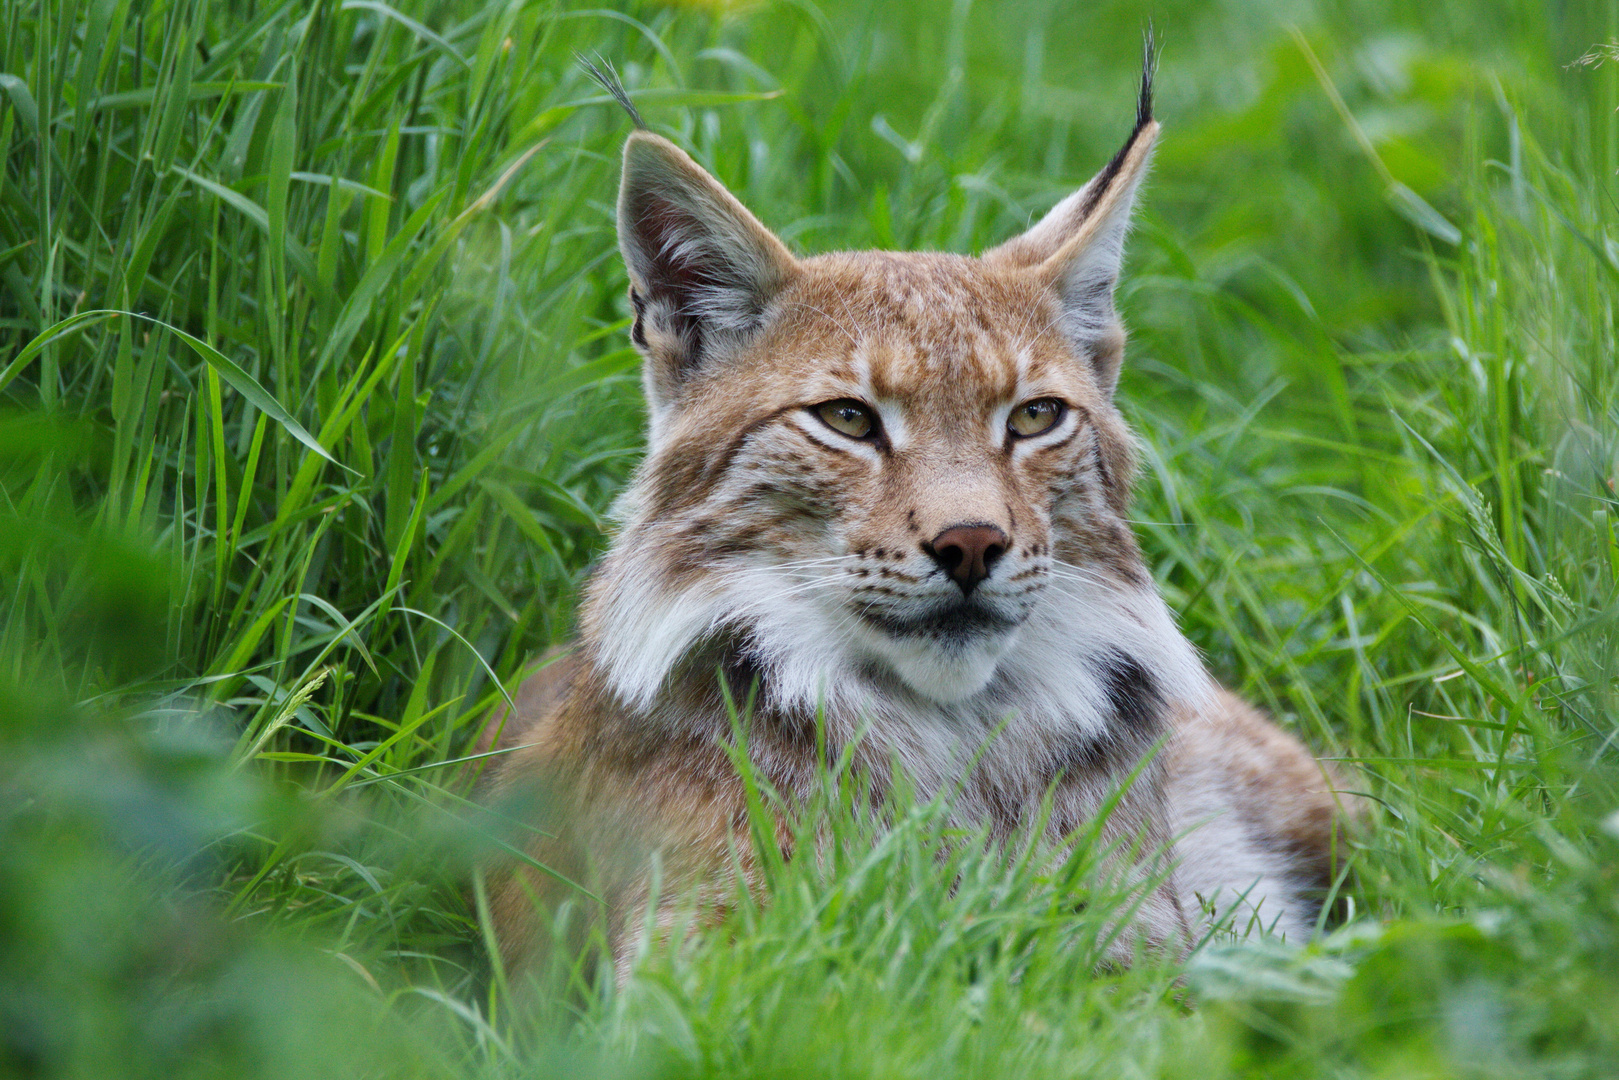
x=702 y=269
x=1077 y=249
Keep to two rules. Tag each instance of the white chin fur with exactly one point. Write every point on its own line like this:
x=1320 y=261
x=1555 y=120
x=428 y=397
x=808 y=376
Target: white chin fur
x=942 y=674
x=813 y=653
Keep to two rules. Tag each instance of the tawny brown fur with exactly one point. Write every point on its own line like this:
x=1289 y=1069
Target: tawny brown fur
x=763 y=551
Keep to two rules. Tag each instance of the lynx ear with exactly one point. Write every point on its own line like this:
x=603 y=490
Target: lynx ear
x=702 y=269
x=1077 y=249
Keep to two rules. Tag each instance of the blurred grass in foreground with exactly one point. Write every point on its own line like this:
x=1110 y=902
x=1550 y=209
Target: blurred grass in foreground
x=1372 y=303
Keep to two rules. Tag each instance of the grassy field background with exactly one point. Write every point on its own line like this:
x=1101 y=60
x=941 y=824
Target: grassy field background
x=315 y=388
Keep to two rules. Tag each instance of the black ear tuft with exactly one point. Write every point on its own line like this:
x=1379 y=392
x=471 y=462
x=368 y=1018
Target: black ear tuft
x=1078 y=248
x=1149 y=68
x=601 y=69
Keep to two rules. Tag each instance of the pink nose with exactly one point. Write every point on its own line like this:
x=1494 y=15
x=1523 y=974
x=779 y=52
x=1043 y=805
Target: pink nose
x=967 y=553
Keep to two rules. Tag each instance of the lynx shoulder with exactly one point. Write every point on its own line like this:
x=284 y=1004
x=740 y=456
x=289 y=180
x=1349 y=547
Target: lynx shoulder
x=889 y=490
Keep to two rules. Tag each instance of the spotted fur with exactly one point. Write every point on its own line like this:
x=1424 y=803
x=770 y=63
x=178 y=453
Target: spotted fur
x=763 y=551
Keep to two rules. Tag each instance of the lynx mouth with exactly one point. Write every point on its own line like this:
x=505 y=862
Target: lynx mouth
x=953 y=624
x=945 y=654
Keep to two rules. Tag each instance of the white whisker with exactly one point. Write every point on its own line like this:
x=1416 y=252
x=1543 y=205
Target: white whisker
x=1071 y=572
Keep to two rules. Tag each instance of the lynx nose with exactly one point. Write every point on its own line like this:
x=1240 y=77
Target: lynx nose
x=967 y=552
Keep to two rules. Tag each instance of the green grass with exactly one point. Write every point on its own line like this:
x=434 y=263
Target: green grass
x=1372 y=302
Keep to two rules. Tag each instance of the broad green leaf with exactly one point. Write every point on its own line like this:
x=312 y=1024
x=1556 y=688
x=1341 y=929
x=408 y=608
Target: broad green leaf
x=22 y=101
x=243 y=383
x=73 y=324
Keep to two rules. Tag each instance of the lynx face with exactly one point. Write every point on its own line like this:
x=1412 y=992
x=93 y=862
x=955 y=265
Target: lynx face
x=902 y=456
x=893 y=474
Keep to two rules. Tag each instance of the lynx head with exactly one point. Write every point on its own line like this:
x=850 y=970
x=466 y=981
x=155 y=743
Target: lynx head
x=905 y=470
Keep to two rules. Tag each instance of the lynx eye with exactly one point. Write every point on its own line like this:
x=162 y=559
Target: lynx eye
x=1035 y=417
x=847 y=417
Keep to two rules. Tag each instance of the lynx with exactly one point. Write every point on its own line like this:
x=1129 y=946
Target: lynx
x=886 y=493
